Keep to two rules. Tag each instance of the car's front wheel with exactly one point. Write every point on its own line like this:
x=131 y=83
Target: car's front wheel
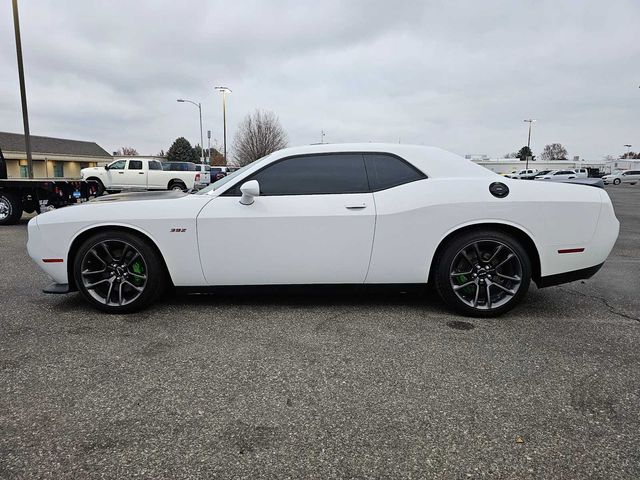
x=119 y=272
x=616 y=181
x=483 y=273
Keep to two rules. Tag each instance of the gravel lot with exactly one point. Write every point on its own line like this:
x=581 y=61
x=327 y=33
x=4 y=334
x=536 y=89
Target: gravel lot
x=323 y=386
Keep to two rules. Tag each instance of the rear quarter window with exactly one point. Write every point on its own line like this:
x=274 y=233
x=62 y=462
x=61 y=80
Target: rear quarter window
x=388 y=171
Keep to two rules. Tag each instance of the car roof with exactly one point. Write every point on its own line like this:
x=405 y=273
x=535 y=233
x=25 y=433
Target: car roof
x=433 y=161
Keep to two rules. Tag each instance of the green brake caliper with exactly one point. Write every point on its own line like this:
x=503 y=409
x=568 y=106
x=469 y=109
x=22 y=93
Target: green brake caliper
x=138 y=268
x=462 y=279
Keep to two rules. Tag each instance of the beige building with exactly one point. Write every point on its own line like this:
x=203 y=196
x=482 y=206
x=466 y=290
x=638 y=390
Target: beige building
x=52 y=157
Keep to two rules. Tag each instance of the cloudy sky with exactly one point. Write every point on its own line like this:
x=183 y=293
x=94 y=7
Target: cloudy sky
x=461 y=75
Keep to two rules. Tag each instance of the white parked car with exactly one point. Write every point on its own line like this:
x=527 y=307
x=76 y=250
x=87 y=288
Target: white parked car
x=522 y=174
x=625 y=176
x=333 y=214
x=139 y=174
x=558 y=175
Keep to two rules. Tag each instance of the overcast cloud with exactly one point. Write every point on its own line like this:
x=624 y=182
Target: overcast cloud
x=461 y=75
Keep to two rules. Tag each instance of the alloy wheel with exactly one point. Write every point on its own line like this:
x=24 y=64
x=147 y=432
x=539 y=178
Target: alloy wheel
x=5 y=208
x=486 y=274
x=114 y=272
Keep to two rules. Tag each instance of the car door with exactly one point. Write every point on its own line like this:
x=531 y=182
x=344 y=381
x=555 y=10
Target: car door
x=156 y=178
x=135 y=176
x=632 y=176
x=313 y=223
x=115 y=174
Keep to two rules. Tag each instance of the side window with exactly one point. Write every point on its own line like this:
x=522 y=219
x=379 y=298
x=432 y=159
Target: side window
x=135 y=165
x=154 y=165
x=312 y=175
x=119 y=165
x=387 y=171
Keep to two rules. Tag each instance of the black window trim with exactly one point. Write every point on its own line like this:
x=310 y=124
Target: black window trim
x=229 y=192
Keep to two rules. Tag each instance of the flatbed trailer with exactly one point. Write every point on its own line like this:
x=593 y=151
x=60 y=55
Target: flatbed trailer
x=18 y=195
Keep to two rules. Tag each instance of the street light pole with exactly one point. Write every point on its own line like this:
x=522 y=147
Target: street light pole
x=23 y=90
x=181 y=100
x=224 y=91
x=529 y=121
x=628 y=149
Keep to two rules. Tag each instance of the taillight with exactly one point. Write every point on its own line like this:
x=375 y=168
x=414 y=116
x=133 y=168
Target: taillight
x=197 y=177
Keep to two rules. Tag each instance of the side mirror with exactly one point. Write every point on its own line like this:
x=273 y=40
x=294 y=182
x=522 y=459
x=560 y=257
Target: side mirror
x=249 y=190
x=106 y=167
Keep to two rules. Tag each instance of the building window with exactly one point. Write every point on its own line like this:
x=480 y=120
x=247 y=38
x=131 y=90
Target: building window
x=24 y=171
x=58 y=170
x=84 y=165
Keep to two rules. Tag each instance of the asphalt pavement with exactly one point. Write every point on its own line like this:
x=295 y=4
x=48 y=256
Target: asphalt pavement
x=376 y=385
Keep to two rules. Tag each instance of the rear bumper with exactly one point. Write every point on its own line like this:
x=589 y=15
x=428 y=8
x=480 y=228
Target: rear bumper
x=567 y=277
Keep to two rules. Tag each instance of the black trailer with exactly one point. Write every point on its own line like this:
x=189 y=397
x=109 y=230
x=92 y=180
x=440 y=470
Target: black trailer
x=19 y=195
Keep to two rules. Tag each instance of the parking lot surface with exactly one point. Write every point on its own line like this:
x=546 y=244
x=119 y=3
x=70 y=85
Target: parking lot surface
x=323 y=386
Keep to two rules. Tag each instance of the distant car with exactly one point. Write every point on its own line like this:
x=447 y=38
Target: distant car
x=523 y=174
x=557 y=175
x=625 y=176
x=333 y=214
x=220 y=172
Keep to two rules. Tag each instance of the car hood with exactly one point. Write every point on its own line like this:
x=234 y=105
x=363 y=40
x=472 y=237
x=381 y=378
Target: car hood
x=137 y=196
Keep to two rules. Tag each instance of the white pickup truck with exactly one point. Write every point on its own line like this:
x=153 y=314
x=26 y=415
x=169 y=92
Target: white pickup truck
x=140 y=174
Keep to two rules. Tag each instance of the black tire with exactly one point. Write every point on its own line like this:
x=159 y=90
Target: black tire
x=152 y=268
x=177 y=185
x=10 y=208
x=445 y=273
x=100 y=185
x=616 y=181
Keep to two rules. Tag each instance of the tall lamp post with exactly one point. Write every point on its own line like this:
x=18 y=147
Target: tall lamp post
x=182 y=100
x=529 y=121
x=23 y=90
x=628 y=148
x=224 y=91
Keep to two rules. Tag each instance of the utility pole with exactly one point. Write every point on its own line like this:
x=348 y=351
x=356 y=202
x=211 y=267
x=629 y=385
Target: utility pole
x=209 y=147
x=224 y=91
x=529 y=121
x=23 y=90
x=322 y=134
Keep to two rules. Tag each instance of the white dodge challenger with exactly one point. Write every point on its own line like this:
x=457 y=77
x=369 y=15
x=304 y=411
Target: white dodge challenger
x=333 y=214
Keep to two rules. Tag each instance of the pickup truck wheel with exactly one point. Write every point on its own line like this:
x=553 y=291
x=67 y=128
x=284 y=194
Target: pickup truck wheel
x=177 y=185
x=10 y=208
x=119 y=272
x=100 y=189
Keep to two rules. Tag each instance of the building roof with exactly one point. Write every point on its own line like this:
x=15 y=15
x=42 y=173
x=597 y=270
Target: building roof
x=14 y=142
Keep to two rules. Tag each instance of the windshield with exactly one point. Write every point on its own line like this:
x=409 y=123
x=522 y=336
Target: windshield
x=224 y=180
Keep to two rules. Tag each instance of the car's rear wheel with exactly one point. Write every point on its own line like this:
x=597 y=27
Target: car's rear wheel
x=10 y=208
x=483 y=273
x=119 y=272
x=616 y=181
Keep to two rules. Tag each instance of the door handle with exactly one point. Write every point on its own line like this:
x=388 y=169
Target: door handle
x=359 y=206
x=140 y=173
x=121 y=173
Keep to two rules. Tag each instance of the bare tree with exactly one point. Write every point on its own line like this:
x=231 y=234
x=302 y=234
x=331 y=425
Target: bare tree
x=258 y=135
x=127 y=151
x=554 y=151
